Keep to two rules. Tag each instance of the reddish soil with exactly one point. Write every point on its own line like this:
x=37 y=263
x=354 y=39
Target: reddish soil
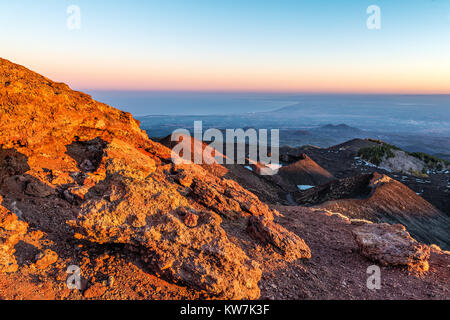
x=305 y=171
x=81 y=184
x=337 y=270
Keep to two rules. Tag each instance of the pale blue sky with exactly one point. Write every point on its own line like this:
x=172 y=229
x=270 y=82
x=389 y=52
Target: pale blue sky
x=187 y=44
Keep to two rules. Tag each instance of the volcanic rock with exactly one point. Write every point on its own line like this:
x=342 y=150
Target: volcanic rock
x=391 y=245
x=11 y=232
x=121 y=210
x=292 y=246
x=95 y=291
x=190 y=218
x=202 y=256
x=46 y=259
x=92 y=174
x=129 y=207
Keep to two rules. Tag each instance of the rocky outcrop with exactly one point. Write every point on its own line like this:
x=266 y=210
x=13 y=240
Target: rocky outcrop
x=82 y=170
x=136 y=204
x=202 y=256
x=391 y=245
x=403 y=162
x=81 y=185
x=11 y=232
x=225 y=196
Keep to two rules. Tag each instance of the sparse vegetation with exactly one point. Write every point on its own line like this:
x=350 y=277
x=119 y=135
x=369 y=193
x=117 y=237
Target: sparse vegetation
x=431 y=162
x=419 y=174
x=376 y=154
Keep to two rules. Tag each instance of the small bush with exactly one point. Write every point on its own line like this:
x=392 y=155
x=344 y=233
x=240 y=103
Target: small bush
x=419 y=174
x=376 y=154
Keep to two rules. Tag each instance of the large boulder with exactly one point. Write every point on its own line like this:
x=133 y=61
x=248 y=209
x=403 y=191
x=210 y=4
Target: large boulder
x=391 y=245
x=202 y=256
x=136 y=204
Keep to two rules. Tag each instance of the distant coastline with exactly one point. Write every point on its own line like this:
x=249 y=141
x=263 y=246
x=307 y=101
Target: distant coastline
x=178 y=103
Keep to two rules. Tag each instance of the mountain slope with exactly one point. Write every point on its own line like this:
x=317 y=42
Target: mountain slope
x=77 y=170
x=378 y=198
x=305 y=171
x=81 y=185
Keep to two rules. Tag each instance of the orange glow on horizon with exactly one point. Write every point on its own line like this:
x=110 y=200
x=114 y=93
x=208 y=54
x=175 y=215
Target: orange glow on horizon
x=84 y=75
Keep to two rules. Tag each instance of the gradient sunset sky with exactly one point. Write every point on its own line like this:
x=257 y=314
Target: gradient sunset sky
x=245 y=45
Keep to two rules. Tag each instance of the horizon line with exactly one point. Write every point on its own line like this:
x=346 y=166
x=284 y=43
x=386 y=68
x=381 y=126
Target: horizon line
x=243 y=91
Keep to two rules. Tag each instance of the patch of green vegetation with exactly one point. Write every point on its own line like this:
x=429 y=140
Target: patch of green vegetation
x=384 y=150
x=376 y=154
x=431 y=162
x=419 y=174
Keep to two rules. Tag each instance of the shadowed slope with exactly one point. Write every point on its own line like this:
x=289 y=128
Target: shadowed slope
x=305 y=172
x=377 y=198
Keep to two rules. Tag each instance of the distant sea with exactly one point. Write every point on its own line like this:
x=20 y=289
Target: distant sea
x=143 y=103
x=414 y=114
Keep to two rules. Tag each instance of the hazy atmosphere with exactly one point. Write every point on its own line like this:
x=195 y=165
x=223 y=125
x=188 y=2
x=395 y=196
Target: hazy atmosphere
x=213 y=159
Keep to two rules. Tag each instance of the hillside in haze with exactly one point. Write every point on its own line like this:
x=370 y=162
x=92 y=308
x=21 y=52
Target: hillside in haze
x=295 y=131
x=416 y=123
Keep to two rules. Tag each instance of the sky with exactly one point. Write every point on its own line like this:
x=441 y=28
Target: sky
x=244 y=45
